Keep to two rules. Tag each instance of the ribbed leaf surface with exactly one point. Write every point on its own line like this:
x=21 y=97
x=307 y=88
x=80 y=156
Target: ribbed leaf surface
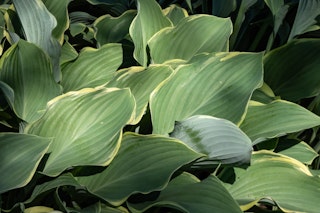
x=20 y=156
x=209 y=34
x=210 y=85
x=143 y=164
x=86 y=126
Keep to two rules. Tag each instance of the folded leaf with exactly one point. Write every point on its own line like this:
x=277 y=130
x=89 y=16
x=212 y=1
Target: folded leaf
x=217 y=84
x=142 y=165
x=20 y=157
x=86 y=127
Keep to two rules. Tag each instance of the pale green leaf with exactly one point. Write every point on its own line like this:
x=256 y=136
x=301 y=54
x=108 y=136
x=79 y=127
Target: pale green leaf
x=292 y=70
x=141 y=81
x=149 y=20
x=175 y=13
x=278 y=178
x=217 y=84
x=113 y=29
x=59 y=8
x=188 y=194
x=20 y=157
x=143 y=164
x=222 y=141
x=86 y=126
x=308 y=11
x=32 y=83
x=209 y=34
x=92 y=68
x=38 y=24
x=275 y=119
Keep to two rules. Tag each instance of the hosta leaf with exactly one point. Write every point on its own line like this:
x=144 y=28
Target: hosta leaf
x=298 y=150
x=210 y=85
x=275 y=119
x=32 y=83
x=188 y=194
x=222 y=141
x=68 y=54
x=143 y=164
x=113 y=29
x=282 y=179
x=292 y=69
x=141 y=81
x=175 y=13
x=148 y=21
x=223 y=8
x=86 y=126
x=308 y=11
x=117 y=7
x=38 y=24
x=209 y=34
x=92 y=68
x=60 y=11
x=20 y=156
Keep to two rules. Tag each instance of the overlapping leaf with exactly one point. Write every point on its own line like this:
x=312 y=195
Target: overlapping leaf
x=209 y=34
x=32 y=83
x=15 y=148
x=210 y=84
x=278 y=178
x=222 y=141
x=86 y=126
x=175 y=13
x=188 y=194
x=148 y=21
x=92 y=68
x=143 y=164
x=292 y=70
x=141 y=81
x=275 y=119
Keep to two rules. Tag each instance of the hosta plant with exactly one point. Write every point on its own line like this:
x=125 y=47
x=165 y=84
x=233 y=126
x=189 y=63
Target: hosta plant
x=151 y=106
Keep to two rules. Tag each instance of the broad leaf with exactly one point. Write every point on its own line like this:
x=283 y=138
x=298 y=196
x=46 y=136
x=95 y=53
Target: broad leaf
x=113 y=29
x=86 y=126
x=223 y=8
x=188 y=194
x=38 y=24
x=32 y=83
x=142 y=165
x=209 y=34
x=141 y=81
x=210 y=84
x=278 y=178
x=292 y=69
x=20 y=157
x=92 y=68
x=275 y=119
x=222 y=141
x=68 y=54
x=297 y=149
x=175 y=13
x=308 y=11
x=148 y=21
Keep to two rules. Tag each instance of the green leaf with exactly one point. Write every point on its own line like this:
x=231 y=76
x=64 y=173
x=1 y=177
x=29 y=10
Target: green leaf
x=20 y=157
x=32 y=83
x=92 y=68
x=308 y=11
x=278 y=178
x=299 y=150
x=86 y=126
x=113 y=29
x=292 y=69
x=217 y=84
x=223 y=8
x=149 y=20
x=59 y=9
x=209 y=34
x=68 y=54
x=275 y=119
x=141 y=81
x=175 y=13
x=188 y=194
x=222 y=141
x=38 y=24
x=143 y=164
